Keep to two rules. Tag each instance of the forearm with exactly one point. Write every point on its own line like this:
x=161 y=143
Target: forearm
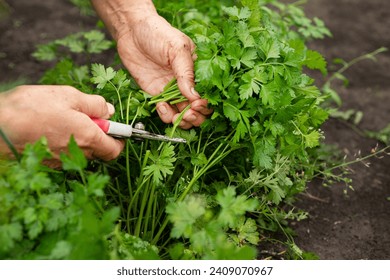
x=120 y=15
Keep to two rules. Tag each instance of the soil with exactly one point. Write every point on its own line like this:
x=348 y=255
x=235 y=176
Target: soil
x=356 y=225
x=342 y=223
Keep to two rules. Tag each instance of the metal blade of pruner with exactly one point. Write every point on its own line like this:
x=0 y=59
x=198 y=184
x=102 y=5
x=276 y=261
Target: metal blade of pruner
x=121 y=130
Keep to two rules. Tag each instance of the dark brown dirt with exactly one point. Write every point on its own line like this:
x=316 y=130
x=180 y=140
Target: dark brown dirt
x=341 y=226
x=30 y=23
x=356 y=225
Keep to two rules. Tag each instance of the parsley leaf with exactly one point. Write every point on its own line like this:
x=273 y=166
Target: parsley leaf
x=184 y=215
x=75 y=160
x=101 y=75
x=233 y=206
x=314 y=60
x=161 y=163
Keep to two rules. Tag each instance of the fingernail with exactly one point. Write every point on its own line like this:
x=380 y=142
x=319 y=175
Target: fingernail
x=162 y=110
x=111 y=108
x=193 y=91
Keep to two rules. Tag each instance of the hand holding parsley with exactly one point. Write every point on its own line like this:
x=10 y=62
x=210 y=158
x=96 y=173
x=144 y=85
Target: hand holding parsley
x=154 y=53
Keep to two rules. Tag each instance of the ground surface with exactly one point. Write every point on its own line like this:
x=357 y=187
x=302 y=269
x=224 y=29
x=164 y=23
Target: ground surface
x=352 y=226
x=356 y=226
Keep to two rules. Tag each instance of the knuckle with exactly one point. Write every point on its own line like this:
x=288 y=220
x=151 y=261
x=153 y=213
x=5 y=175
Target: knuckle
x=22 y=92
x=68 y=90
x=99 y=99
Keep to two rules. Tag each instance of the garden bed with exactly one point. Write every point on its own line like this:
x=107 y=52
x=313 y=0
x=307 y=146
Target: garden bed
x=352 y=225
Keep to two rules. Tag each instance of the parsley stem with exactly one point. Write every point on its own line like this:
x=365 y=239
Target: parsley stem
x=9 y=144
x=171 y=94
x=215 y=158
x=128 y=175
x=179 y=119
x=119 y=99
x=119 y=194
x=133 y=205
x=141 y=217
x=150 y=197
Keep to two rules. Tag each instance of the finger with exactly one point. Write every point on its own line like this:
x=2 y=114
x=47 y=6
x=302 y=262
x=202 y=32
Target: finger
x=93 y=141
x=106 y=147
x=109 y=149
x=111 y=110
x=183 y=124
x=193 y=48
x=166 y=112
x=182 y=105
x=93 y=106
x=192 y=45
x=193 y=117
x=200 y=106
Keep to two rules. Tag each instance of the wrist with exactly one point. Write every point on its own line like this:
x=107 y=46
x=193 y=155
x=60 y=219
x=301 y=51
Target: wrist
x=120 y=15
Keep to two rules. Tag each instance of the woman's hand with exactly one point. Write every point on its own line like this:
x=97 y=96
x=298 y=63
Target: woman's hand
x=154 y=52
x=29 y=112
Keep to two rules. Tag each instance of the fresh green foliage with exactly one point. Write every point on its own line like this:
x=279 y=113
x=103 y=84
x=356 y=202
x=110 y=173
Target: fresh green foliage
x=89 y=42
x=211 y=234
x=66 y=72
x=49 y=214
x=290 y=18
x=265 y=97
x=44 y=216
x=161 y=163
x=118 y=88
x=264 y=106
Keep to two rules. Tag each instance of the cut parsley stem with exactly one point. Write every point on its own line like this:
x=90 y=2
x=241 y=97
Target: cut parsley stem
x=171 y=95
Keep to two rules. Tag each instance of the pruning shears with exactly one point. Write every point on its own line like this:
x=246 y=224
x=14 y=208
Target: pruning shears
x=121 y=130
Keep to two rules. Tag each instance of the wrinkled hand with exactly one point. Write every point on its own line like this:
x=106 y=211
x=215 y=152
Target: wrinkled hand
x=154 y=53
x=29 y=112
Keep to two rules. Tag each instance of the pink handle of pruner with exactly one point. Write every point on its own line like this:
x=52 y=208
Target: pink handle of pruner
x=103 y=124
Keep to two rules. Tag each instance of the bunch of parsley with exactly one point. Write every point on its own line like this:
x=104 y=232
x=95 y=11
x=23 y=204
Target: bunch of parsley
x=223 y=191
